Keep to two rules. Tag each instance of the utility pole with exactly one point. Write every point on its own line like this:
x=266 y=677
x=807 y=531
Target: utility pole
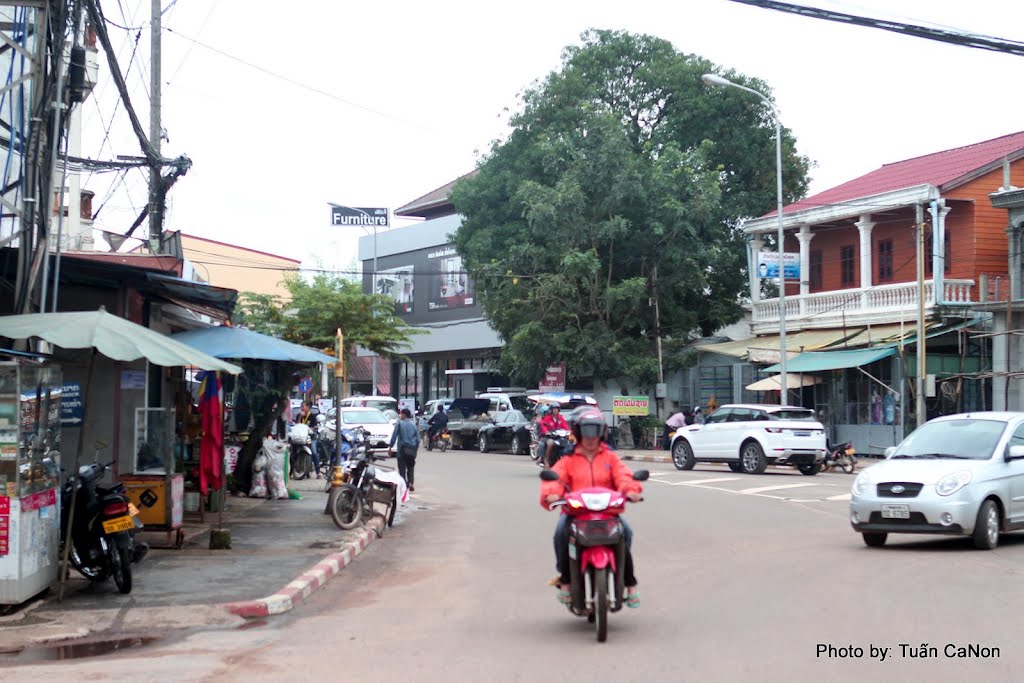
x=659 y=390
x=921 y=412
x=156 y=209
x=339 y=377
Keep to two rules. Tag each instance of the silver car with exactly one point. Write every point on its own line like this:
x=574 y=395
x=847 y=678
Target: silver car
x=960 y=475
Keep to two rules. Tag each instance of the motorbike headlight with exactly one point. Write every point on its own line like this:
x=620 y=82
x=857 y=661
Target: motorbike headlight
x=951 y=483
x=861 y=485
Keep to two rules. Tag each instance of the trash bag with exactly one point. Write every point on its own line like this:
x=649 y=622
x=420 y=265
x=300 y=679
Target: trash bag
x=259 y=476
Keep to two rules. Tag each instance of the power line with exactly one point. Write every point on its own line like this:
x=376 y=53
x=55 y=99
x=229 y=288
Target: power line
x=945 y=35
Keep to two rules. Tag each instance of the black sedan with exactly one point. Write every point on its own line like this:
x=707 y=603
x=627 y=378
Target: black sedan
x=510 y=429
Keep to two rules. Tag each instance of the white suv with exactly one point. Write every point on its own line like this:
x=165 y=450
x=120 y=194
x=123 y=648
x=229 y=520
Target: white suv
x=749 y=437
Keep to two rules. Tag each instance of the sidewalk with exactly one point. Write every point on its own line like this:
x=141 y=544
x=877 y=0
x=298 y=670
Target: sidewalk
x=281 y=551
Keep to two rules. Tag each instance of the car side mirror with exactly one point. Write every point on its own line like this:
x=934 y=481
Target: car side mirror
x=641 y=475
x=549 y=475
x=889 y=451
x=1014 y=453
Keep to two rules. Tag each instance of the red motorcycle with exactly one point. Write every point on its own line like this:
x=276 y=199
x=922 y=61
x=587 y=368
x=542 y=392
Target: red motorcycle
x=597 y=551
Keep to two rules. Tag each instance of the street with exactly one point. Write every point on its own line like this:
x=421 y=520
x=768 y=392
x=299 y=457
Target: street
x=741 y=578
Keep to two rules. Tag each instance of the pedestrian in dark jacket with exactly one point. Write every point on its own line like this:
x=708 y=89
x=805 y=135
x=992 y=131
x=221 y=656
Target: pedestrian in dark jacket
x=408 y=440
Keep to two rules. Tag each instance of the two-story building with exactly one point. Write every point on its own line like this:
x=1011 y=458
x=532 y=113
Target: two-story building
x=850 y=319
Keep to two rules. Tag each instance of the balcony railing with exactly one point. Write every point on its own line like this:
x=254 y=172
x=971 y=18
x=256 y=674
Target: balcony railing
x=876 y=305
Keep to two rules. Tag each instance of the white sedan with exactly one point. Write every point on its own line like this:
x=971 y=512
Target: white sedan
x=378 y=428
x=959 y=475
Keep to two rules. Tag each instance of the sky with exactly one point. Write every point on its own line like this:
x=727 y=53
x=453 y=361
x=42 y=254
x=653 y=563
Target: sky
x=374 y=104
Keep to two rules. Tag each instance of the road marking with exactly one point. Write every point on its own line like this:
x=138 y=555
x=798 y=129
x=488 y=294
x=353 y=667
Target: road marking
x=699 y=482
x=841 y=496
x=779 y=487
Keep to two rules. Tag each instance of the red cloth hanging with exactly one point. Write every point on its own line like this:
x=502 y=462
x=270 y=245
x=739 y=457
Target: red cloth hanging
x=211 y=446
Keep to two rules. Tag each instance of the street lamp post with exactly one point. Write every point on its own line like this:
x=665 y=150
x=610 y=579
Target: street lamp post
x=712 y=79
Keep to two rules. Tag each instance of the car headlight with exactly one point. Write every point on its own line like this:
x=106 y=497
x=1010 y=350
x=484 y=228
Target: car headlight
x=861 y=484
x=951 y=483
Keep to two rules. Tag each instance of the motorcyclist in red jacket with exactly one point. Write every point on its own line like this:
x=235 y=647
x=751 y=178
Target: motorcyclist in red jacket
x=550 y=422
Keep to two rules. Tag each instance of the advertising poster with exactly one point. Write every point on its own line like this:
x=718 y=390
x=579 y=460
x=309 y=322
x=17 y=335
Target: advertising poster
x=768 y=265
x=397 y=283
x=449 y=285
x=631 y=405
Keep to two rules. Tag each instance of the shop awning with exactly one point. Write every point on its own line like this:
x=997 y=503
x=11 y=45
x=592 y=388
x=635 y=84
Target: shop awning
x=237 y=342
x=817 y=361
x=793 y=381
x=769 y=344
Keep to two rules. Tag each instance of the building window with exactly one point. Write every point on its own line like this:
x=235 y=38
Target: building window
x=815 y=276
x=885 y=260
x=847 y=266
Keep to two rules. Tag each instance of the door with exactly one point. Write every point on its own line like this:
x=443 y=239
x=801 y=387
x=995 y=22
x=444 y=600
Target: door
x=1015 y=473
x=707 y=439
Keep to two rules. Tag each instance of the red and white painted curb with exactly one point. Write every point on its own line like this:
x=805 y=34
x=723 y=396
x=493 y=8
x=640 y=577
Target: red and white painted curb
x=308 y=582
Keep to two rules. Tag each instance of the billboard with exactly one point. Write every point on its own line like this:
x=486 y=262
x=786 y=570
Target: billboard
x=768 y=265
x=450 y=286
x=398 y=285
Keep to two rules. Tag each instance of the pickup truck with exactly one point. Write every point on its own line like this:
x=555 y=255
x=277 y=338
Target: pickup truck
x=465 y=418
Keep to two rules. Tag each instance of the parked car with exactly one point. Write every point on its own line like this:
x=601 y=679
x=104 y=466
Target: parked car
x=958 y=475
x=377 y=425
x=383 y=403
x=749 y=437
x=510 y=429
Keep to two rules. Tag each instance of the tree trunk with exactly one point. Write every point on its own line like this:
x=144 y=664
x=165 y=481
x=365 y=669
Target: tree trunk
x=264 y=417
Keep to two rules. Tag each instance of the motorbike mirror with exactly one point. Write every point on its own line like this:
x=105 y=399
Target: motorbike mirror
x=641 y=475
x=549 y=475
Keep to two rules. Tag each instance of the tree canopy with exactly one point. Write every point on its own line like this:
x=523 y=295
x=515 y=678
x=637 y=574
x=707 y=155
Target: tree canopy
x=623 y=180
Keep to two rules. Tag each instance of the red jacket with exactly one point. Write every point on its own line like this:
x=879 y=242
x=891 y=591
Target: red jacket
x=550 y=423
x=576 y=472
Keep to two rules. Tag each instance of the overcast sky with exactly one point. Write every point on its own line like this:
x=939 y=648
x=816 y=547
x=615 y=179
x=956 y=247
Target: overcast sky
x=377 y=103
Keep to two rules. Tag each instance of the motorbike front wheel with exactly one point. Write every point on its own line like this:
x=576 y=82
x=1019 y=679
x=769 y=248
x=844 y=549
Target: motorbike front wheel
x=846 y=464
x=346 y=506
x=601 y=589
x=121 y=561
x=302 y=464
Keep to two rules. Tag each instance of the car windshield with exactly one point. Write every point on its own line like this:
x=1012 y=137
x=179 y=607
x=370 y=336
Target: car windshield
x=521 y=403
x=792 y=414
x=360 y=417
x=959 y=439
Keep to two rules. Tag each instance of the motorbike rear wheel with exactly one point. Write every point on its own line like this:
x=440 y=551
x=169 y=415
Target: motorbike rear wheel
x=601 y=589
x=346 y=506
x=846 y=464
x=121 y=561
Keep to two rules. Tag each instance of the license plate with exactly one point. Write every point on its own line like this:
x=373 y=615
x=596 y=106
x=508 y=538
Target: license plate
x=851 y=451
x=112 y=526
x=896 y=511
x=801 y=433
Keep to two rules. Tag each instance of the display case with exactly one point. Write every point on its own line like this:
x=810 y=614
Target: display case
x=154 y=488
x=29 y=478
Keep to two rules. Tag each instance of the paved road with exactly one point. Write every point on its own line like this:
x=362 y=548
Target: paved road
x=742 y=578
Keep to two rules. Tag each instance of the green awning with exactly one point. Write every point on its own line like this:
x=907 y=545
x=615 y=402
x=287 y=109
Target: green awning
x=816 y=361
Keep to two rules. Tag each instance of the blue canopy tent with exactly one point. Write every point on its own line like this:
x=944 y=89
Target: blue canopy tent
x=236 y=342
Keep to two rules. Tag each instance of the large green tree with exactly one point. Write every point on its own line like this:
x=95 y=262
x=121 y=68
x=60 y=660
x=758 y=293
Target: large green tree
x=316 y=309
x=623 y=180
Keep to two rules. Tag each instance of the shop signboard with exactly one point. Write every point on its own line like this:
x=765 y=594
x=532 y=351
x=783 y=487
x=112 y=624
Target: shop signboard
x=5 y=524
x=768 y=265
x=554 y=378
x=623 y=406
x=71 y=405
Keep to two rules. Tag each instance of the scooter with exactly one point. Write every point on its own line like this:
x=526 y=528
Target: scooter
x=563 y=444
x=843 y=456
x=301 y=451
x=103 y=531
x=597 y=551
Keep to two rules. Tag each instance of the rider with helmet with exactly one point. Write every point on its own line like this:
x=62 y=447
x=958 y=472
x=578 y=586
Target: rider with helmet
x=591 y=463
x=550 y=422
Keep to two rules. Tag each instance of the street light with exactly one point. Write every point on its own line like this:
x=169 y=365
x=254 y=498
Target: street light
x=718 y=81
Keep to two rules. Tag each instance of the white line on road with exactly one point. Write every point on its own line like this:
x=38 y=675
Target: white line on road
x=698 y=482
x=841 y=496
x=761 y=489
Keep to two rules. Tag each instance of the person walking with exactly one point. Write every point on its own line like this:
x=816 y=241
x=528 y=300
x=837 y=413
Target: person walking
x=408 y=441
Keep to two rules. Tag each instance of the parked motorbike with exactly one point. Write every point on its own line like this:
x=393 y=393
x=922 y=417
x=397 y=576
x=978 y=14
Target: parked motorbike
x=300 y=443
x=354 y=489
x=353 y=444
x=597 y=551
x=103 y=528
x=843 y=456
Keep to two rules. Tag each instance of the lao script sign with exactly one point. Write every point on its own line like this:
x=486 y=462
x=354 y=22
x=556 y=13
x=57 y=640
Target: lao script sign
x=631 y=405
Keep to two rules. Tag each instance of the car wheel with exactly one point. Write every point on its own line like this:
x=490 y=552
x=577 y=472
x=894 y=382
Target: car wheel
x=810 y=470
x=484 y=443
x=682 y=455
x=736 y=467
x=986 y=526
x=752 y=458
x=874 y=539
x=517 y=447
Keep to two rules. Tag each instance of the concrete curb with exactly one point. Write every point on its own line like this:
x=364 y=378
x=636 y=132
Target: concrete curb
x=310 y=580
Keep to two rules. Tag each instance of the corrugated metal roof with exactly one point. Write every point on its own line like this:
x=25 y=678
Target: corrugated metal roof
x=807 y=339
x=941 y=169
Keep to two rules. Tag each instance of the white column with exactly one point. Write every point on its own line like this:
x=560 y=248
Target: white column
x=939 y=250
x=804 y=237
x=864 y=226
x=755 y=245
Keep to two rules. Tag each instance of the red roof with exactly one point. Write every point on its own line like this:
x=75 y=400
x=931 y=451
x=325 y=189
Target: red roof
x=942 y=169
x=161 y=263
